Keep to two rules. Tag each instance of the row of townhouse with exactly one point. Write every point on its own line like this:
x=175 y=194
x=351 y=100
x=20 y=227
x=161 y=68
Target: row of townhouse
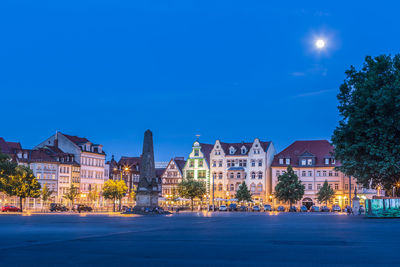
x=224 y=166
x=62 y=160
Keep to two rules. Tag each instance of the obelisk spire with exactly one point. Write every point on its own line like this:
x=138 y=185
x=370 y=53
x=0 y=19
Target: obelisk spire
x=147 y=169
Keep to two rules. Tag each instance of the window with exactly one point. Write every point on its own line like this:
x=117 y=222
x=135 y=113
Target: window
x=336 y=174
x=324 y=173
x=253 y=175
x=259 y=187
x=220 y=175
x=190 y=174
x=220 y=163
x=260 y=163
x=303 y=173
x=287 y=161
x=309 y=162
x=219 y=187
x=191 y=163
x=200 y=163
x=336 y=186
x=196 y=152
x=201 y=174
x=240 y=163
x=233 y=163
x=309 y=173
x=280 y=161
x=318 y=173
x=330 y=173
x=309 y=186
x=238 y=175
x=333 y=161
x=253 y=163
x=231 y=150
x=326 y=160
x=232 y=187
x=278 y=173
x=346 y=187
x=253 y=188
x=244 y=163
x=38 y=175
x=214 y=175
x=260 y=175
x=214 y=164
x=318 y=186
x=243 y=150
x=231 y=175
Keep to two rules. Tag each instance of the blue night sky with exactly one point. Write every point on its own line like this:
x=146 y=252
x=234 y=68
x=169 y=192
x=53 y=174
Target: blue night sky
x=232 y=70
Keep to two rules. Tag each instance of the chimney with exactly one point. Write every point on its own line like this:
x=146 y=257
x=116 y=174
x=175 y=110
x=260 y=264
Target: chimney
x=56 y=139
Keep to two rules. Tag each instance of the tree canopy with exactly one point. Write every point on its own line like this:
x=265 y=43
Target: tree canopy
x=243 y=193
x=367 y=140
x=325 y=193
x=192 y=189
x=24 y=184
x=71 y=194
x=46 y=193
x=114 y=190
x=289 y=188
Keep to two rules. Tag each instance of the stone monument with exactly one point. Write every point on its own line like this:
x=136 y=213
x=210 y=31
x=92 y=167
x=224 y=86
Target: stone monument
x=356 y=202
x=147 y=191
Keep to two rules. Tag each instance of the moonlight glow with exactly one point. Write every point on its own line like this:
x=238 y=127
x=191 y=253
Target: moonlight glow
x=320 y=43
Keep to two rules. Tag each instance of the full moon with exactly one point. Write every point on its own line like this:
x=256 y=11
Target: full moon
x=320 y=43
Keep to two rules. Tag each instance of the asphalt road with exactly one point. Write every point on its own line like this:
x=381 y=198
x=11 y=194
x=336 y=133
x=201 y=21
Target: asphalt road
x=199 y=239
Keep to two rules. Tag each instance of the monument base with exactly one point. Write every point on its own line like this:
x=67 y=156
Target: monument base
x=147 y=199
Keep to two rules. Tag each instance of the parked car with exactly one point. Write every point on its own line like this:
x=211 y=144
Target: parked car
x=314 y=209
x=346 y=209
x=81 y=207
x=256 y=208
x=303 y=209
x=223 y=208
x=243 y=208
x=10 y=209
x=292 y=209
x=267 y=208
x=57 y=207
x=281 y=208
x=232 y=207
x=336 y=208
x=325 y=209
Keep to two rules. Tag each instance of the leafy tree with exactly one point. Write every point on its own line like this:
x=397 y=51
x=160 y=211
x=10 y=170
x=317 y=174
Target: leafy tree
x=243 y=193
x=289 y=187
x=93 y=195
x=24 y=184
x=46 y=193
x=7 y=169
x=71 y=194
x=191 y=189
x=325 y=193
x=367 y=140
x=114 y=190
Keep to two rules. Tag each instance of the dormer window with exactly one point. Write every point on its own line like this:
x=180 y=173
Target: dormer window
x=333 y=161
x=303 y=162
x=280 y=161
x=243 y=150
x=326 y=161
x=287 y=161
x=196 y=152
x=231 y=150
x=309 y=162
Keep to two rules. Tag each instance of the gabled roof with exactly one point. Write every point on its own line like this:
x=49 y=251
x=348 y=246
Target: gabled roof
x=4 y=148
x=316 y=148
x=206 y=150
x=180 y=163
x=14 y=145
x=238 y=147
x=129 y=161
x=75 y=139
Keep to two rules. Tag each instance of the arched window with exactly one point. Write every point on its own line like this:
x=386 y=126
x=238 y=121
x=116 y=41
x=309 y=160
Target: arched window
x=238 y=175
x=220 y=175
x=259 y=187
x=253 y=188
x=231 y=175
x=253 y=175
x=260 y=175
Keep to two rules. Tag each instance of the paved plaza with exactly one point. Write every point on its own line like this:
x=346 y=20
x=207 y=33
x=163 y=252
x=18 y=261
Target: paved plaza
x=198 y=239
